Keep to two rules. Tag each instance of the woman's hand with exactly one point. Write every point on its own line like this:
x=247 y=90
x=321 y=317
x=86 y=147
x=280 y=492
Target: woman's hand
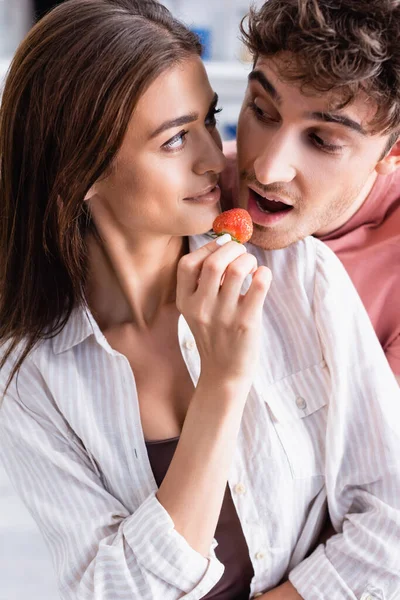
x=227 y=328
x=226 y=324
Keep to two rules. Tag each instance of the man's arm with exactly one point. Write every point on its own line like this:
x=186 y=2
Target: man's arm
x=362 y=474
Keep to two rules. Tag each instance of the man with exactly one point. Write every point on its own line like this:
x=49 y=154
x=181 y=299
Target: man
x=317 y=141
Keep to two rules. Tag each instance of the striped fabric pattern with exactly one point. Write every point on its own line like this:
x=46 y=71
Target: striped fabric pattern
x=321 y=427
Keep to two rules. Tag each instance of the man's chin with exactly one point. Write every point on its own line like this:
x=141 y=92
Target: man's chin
x=272 y=240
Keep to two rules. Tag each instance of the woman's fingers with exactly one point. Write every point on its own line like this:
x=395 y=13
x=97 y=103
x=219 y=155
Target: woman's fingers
x=190 y=265
x=215 y=267
x=235 y=275
x=210 y=281
x=252 y=302
x=205 y=267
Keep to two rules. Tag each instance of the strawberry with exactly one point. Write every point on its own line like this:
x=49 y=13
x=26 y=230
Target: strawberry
x=237 y=222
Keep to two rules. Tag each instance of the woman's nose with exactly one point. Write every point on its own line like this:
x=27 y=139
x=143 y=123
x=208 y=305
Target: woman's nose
x=211 y=157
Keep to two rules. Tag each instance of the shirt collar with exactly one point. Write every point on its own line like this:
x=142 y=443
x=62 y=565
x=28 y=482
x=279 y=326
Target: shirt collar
x=80 y=325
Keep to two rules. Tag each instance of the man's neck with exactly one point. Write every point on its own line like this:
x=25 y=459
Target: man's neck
x=351 y=210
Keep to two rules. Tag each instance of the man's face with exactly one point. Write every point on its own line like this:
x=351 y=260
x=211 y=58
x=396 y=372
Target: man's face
x=304 y=168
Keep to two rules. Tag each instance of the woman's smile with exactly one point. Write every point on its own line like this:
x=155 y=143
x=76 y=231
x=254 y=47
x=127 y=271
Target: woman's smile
x=211 y=195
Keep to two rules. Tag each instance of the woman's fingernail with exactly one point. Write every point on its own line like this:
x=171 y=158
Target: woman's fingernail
x=223 y=239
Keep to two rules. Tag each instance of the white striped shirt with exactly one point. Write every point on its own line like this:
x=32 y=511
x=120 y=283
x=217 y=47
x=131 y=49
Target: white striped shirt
x=321 y=424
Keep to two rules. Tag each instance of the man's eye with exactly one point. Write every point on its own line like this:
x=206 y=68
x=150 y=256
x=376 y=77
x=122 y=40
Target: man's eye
x=176 y=142
x=211 y=121
x=325 y=146
x=259 y=113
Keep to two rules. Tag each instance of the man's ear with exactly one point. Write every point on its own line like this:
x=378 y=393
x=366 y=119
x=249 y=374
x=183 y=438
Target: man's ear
x=390 y=162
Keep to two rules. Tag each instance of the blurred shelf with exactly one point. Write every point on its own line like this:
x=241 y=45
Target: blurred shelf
x=228 y=78
x=228 y=70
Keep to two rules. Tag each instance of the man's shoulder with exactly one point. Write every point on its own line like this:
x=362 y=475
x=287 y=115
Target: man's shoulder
x=385 y=194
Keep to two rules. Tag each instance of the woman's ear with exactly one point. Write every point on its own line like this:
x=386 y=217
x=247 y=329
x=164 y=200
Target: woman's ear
x=90 y=193
x=390 y=162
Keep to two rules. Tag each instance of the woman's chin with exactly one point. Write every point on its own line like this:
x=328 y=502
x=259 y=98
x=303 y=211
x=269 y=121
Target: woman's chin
x=203 y=222
x=203 y=227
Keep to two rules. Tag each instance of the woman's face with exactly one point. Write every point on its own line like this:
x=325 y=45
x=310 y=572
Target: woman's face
x=164 y=175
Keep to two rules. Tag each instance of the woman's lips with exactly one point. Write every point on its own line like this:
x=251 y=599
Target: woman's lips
x=211 y=197
x=261 y=217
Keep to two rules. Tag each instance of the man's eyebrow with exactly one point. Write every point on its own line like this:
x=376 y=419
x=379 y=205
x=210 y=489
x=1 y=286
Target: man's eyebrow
x=328 y=117
x=259 y=76
x=183 y=120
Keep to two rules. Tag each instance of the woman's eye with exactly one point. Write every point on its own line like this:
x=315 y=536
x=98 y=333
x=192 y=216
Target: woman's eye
x=211 y=121
x=325 y=146
x=176 y=142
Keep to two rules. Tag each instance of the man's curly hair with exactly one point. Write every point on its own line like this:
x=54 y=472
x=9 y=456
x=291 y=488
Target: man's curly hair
x=339 y=46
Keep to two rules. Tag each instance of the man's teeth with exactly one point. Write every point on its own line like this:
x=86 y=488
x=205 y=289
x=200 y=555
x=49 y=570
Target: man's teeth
x=274 y=205
x=262 y=208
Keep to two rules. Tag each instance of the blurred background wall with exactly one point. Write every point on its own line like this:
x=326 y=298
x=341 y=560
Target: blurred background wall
x=25 y=569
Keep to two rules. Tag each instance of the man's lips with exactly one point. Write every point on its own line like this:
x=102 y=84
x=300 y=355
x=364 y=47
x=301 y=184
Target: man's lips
x=270 y=202
x=266 y=212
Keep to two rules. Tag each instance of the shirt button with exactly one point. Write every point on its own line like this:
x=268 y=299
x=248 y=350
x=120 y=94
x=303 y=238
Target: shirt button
x=240 y=488
x=260 y=555
x=301 y=403
x=189 y=344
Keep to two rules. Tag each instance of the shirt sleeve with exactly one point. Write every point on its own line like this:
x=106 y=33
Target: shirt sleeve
x=362 y=561
x=99 y=550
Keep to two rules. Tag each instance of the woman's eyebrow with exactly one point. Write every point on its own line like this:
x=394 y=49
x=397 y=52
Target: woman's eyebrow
x=183 y=120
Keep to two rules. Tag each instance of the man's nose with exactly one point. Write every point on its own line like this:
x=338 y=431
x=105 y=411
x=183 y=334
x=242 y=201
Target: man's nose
x=275 y=162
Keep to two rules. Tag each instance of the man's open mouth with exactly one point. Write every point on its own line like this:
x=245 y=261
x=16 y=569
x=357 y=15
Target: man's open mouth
x=270 y=205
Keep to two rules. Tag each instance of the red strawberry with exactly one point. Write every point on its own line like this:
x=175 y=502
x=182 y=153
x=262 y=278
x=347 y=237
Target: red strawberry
x=237 y=222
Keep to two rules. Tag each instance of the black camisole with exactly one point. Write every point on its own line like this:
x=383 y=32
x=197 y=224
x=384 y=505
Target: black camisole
x=232 y=550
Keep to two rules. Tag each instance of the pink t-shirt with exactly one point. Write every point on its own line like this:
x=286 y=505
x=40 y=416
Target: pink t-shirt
x=369 y=247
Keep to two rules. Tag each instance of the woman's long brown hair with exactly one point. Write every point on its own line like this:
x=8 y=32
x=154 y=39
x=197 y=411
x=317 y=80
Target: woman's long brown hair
x=69 y=95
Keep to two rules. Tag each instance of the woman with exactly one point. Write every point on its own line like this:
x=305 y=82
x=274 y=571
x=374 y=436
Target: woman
x=132 y=393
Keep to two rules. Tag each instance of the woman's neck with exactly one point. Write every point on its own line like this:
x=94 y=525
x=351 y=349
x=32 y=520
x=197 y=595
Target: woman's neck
x=130 y=282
